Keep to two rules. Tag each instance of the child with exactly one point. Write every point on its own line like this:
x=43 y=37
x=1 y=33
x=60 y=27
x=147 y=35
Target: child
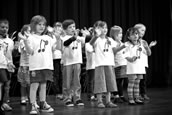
x=72 y=59
x=6 y=66
x=23 y=71
x=142 y=29
x=39 y=46
x=57 y=54
x=135 y=65
x=90 y=69
x=105 y=81
x=120 y=63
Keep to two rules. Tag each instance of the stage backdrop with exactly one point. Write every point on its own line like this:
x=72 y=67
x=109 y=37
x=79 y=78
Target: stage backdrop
x=156 y=15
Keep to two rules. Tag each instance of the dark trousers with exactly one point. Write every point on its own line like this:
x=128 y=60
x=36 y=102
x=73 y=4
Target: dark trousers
x=90 y=81
x=143 y=85
x=57 y=73
x=120 y=86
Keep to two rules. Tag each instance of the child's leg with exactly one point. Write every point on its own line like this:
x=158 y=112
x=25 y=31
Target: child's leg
x=42 y=95
x=131 y=81
x=42 y=92
x=33 y=92
x=23 y=92
x=136 y=89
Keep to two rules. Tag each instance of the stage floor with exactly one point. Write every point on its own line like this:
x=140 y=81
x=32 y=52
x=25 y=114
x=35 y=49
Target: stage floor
x=160 y=104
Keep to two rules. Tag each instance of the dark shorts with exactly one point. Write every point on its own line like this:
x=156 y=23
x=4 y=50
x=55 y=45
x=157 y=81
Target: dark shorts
x=120 y=72
x=41 y=76
x=4 y=75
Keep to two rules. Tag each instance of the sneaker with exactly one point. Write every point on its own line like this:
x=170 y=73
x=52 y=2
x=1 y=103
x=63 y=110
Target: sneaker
x=131 y=102
x=111 y=105
x=23 y=102
x=138 y=101
x=79 y=102
x=34 y=110
x=45 y=107
x=69 y=104
x=100 y=105
x=59 y=96
x=93 y=98
x=6 y=107
x=123 y=99
x=118 y=100
x=145 y=97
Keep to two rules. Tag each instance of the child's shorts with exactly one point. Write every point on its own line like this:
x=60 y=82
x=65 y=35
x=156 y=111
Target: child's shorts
x=120 y=72
x=23 y=76
x=41 y=76
x=135 y=76
x=4 y=77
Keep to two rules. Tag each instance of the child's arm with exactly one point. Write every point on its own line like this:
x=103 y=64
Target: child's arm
x=117 y=49
x=147 y=48
x=69 y=41
x=26 y=42
x=96 y=35
x=131 y=59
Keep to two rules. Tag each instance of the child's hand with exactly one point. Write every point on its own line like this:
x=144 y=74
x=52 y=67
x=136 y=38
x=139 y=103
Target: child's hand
x=23 y=37
x=85 y=32
x=11 y=67
x=153 y=43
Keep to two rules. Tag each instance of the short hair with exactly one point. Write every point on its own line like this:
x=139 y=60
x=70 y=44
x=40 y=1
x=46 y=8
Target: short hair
x=4 y=21
x=67 y=22
x=115 y=31
x=57 y=24
x=130 y=31
x=35 y=20
x=100 y=23
x=139 y=25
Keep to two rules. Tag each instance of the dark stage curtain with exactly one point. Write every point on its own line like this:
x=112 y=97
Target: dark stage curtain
x=125 y=13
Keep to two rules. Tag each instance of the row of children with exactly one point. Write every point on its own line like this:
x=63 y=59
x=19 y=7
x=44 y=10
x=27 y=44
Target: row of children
x=108 y=60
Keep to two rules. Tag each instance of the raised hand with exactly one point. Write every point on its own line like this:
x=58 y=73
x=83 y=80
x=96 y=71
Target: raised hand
x=153 y=43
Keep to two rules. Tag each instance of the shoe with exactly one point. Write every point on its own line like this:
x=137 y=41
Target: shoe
x=69 y=104
x=123 y=99
x=131 y=102
x=59 y=96
x=145 y=97
x=6 y=107
x=44 y=107
x=23 y=102
x=93 y=98
x=34 y=110
x=79 y=103
x=100 y=105
x=138 y=101
x=118 y=100
x=111 y=105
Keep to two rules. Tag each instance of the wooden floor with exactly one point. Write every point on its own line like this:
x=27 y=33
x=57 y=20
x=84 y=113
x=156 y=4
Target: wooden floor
x=160 y=104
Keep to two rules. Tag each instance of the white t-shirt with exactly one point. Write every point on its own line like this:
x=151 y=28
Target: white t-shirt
x=72 y=54
x=104 y=55
x=57 y=54
x=120 y=57
x=42 y=57
x=90 y=56
x=3 y=60
x=24 y=56
x=138 y=66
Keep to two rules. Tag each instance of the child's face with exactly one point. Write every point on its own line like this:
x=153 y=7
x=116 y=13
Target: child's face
x=134 y=37
x=103 y=30
x=40 y=28
x=4 y=27
x=71 y=29
x=28 y=30
x=58 y=29
x=141 y=31
x=119 y=36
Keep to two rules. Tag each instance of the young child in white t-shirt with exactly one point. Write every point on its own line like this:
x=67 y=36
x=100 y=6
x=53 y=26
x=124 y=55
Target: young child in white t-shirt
x=72 y=60
x=135 y=65
x=40 y=48
x=105 y=80
x=120 y=63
